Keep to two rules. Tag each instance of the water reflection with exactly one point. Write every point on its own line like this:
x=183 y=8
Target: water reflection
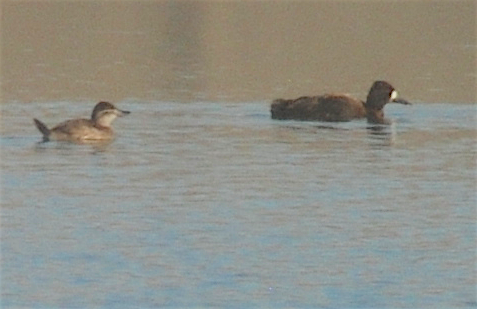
x=382 y=135
x=311 y=127
x=68 y=146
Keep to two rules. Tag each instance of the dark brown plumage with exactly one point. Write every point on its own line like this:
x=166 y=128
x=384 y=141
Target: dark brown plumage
x=338 y=107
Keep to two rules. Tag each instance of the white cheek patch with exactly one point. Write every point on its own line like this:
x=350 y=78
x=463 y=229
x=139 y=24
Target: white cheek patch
x=394 y=94
x=106 y=118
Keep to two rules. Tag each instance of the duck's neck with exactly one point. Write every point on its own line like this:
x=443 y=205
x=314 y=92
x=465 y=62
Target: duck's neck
x=376 y=116
x=105 y=120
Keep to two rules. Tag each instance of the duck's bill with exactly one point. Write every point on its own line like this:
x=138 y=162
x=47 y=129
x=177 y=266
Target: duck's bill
x=123 y=113
x=401 y=101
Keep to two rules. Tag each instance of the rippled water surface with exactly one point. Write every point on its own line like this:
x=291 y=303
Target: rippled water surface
x=203 y=200
x=217 y=205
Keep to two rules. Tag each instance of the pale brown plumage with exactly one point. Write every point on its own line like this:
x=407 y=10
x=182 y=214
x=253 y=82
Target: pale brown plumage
x=80 y=130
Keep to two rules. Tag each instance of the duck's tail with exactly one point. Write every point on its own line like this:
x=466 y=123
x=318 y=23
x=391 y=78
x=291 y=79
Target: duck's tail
x=278 y=108
x=43 y=129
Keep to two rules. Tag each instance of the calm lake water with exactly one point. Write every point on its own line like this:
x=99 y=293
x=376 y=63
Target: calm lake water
x=217 y=205
x=203 y=200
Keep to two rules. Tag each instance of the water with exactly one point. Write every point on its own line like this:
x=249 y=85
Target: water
x=216 y=205
x=203 y=200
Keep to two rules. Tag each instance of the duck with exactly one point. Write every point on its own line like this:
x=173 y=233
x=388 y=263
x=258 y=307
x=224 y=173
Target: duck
x=97 y=128
x=339 y=107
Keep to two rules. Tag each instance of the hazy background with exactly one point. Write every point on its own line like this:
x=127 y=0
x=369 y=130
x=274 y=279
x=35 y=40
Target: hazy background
x=210 y=202
x=190 y=51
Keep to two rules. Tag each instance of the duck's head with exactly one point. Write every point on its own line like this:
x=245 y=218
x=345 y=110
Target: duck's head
x=380 y=94
x=104 y=113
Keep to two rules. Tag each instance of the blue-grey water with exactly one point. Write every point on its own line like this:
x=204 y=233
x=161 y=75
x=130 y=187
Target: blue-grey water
x=216 y=205
x=203 y=200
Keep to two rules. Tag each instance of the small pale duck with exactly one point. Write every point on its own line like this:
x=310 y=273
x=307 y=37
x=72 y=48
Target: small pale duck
x=98 y=128
x=339 y=107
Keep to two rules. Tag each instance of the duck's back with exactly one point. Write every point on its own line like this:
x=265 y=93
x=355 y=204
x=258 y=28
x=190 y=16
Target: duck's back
x=330 y=107
x=80 y=129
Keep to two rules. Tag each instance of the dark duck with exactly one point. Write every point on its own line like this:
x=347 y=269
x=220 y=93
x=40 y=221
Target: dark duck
x=339 y=107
